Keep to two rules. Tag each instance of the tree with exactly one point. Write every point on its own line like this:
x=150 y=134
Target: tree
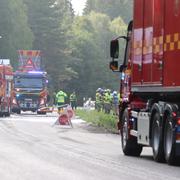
x=14 y=29
x=113 y=8
x=50 y=22
x=90 y=45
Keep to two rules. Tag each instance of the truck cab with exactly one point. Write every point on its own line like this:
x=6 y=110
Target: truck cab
x=30 y=90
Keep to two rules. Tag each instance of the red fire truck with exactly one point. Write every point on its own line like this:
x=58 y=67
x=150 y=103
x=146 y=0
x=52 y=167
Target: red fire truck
x=150 y=83
x=30 y=83
x=6 y=79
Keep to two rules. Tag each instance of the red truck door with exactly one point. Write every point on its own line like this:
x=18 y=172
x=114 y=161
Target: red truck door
x=147 y=42
x=158 y=42
x=137 y=42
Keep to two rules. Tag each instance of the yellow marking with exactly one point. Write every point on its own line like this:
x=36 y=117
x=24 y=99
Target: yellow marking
x=172 y=42
x=176 y=37
x=161 y=40
x=168 y=38
x=157 y=48
x=171 y=46
x=165 y=47
x=144 y=50
x=137 y=44
x=128 y=72
x=178 y=44
x=138 y=51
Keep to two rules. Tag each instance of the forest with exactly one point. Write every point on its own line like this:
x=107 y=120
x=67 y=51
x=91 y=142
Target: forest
x=75 y=49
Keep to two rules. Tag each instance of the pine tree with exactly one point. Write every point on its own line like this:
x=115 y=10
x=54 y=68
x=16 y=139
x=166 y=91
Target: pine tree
x=50 y=21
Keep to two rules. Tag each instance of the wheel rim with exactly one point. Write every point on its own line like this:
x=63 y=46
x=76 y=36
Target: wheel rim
x=124 y=134
x=168 y=138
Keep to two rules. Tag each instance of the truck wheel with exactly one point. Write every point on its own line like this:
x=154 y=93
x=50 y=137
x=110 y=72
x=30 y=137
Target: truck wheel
x=157 y=139
x=129 y=143
x=18 y=111
x=169 y=141
x=7 y=114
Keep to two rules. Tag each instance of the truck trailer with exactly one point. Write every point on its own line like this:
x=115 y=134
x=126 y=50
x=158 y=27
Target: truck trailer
x=149 y=110
x=30 y=84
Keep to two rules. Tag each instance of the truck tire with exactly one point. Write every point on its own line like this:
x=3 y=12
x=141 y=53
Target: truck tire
x=169 y=141
x=8 y=113
x=157 y=138
x=18 y=111
x=129 y=143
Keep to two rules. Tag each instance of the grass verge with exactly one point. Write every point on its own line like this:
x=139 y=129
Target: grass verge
x=100 y=119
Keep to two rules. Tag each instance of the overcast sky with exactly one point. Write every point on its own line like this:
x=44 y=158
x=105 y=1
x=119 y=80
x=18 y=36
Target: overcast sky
x=78 y=6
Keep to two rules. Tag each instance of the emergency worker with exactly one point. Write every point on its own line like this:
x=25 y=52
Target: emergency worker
x=103 y=92
x=73 y=100
x=115 y=102
x=107 y=101
x=98 y=102
x=61 y=99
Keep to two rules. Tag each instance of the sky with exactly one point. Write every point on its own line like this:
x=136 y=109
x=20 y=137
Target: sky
x=78 y=6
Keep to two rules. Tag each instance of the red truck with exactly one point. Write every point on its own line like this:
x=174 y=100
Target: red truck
x=149 y=111
x=30 y=91
x=6 y=81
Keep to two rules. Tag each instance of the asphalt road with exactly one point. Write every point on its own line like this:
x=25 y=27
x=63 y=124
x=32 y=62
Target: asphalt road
x=32 y=147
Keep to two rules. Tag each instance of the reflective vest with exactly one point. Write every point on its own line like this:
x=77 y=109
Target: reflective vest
x=73 y=97
x=107 y=98
x=61 y=96
x=98 y=97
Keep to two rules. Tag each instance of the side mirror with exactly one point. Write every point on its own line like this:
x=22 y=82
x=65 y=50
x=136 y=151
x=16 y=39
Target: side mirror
x=113 y=65
x=114 y=49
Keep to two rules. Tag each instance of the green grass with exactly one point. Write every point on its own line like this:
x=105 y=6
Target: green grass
x=100 y=119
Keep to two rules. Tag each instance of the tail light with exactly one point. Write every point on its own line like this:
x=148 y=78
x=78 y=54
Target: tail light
x=177 y=136
x=178 y=122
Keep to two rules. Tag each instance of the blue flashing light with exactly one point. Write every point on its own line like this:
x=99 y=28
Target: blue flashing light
x=36 y=72
x=178 y=129
x=17 y=95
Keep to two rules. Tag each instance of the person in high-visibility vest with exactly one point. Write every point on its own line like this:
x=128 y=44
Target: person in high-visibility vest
x=98 y=101
x=61 y=99
x=73 y=100
x=115 y=102
x=107 y=101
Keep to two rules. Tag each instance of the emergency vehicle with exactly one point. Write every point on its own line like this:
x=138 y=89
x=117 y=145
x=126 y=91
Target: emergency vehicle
x=150 y=82
x=30 y=83
x=6 y=80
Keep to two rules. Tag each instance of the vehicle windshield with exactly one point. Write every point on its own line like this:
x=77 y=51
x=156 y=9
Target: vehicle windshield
x=25 y=82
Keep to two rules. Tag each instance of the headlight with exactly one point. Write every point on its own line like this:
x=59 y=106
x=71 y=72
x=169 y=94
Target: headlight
x=17 y=95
